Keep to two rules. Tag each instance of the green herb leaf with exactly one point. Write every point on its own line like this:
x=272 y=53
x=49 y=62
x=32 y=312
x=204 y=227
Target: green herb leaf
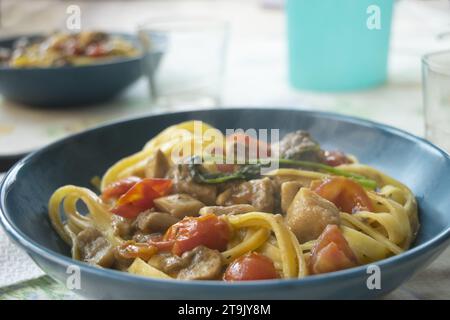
x=246 y=172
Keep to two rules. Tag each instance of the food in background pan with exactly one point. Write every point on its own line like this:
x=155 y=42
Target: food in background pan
x=66 y=49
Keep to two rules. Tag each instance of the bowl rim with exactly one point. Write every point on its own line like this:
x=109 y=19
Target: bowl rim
x=33 y=247
x=7 y=161
x=107 y=62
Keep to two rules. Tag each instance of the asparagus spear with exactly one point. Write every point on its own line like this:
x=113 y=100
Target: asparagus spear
x=252 y=171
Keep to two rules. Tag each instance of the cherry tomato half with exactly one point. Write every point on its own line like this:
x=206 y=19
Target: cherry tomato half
x=345 y=193
x=252 y=266
x=331 y=252
x=140 y=197
x=207 y=230
x=118 y=188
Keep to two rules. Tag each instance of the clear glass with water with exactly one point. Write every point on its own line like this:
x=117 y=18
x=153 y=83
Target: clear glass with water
x=436 y=94
x=184 y=60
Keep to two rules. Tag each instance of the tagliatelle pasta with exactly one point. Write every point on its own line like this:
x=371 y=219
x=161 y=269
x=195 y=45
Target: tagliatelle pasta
x=205 y=221
x=176 y=136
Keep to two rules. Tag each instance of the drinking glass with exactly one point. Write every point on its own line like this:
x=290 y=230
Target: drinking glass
x=338 y=45
x=184 y=60
x=436 y=95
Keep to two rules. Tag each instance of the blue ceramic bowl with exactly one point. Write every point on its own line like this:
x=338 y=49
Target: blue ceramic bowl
x=75 y=160
x=66 y=86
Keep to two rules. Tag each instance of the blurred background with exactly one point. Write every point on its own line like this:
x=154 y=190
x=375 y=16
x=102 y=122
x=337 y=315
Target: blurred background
x=367 y=58
x=249 y=60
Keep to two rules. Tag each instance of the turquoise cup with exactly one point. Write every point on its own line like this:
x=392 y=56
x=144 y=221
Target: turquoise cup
x=338 y=45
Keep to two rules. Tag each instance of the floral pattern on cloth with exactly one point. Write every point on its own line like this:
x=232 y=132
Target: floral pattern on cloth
x=43 y=288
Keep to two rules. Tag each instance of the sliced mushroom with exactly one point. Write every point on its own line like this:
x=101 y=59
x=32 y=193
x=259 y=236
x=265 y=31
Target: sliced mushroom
x=201 y=263
x=169 y=263
x=237 y=193
x=234 y=209
x=299 y=145
x=157 y=166
x=94 y=248
x=205 y=264
x=309 y=214
x=122 y=226
x=263 y=195
x=259 y=193
x=149 y=222
x=179 y=205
